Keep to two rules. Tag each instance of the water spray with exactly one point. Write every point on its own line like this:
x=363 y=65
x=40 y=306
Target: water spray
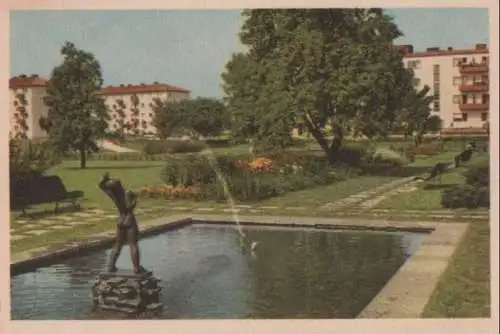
x=213 y=162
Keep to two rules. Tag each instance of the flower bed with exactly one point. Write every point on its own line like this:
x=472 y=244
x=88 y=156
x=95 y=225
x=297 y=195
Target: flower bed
x=247 y=179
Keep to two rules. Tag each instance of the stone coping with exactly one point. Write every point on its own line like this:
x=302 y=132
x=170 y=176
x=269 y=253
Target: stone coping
x=405 y=295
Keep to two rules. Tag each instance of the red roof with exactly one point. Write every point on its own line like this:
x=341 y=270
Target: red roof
x=143 y=88
x=24 y=81
x=433 y=52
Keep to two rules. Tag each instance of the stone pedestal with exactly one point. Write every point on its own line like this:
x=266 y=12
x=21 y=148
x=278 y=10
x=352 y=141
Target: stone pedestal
x=127 y=292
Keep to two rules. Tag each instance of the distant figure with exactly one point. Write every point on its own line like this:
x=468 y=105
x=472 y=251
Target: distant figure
x=127 y=229
x=436 y=171
x=466 y=154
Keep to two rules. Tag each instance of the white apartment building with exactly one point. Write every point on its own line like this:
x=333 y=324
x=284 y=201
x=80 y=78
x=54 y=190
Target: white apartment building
x=130 y=106
x=26 y=106
x=459 y=82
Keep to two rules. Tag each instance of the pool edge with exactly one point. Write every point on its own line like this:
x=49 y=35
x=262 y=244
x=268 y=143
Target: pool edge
x=405 y=295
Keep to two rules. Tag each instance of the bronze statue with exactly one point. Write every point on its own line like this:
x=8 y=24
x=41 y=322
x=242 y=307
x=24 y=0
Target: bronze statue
x=127 y=229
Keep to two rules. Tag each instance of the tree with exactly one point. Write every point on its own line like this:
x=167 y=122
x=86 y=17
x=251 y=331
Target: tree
x=135 y=113
x=77 y=115
x=415 y=114
x=196 y=117
x=120 y=117
x=335 y=71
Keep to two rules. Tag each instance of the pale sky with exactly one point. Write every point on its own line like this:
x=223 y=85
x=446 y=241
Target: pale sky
x=190 y=48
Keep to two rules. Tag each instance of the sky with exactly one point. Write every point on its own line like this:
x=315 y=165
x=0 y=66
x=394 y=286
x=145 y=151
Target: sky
x=190 y=48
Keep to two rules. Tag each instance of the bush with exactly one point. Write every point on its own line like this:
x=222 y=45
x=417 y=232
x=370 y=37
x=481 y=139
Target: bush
x=466 y=196
x=250 y=179
x=173 y=146
x=478 y=175
x=475 y=193
x=28 y=160
x=426 y=149
x=352 y=155
x=390 y=157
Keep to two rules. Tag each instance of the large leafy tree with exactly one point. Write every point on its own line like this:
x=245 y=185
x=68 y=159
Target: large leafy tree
x=335 y=71
x=77 y=115
x=200 y=117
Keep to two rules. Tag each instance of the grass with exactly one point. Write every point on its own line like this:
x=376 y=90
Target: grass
x=133 y=175
x=464 y=288
x=317 y=196
x=428 y=196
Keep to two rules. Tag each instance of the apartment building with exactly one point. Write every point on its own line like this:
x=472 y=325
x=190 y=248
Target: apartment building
x=459 y=82
x=26 y=106
x=130 y=106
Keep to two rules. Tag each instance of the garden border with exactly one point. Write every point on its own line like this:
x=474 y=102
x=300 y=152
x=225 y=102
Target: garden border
x=405 y=295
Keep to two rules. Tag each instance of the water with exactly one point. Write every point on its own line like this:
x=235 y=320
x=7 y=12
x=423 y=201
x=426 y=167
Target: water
x=294 y=273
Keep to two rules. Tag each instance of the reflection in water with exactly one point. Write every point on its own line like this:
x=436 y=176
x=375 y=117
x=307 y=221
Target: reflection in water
x=294 y=273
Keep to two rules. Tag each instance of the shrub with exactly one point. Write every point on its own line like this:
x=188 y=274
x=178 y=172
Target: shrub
x=250 y=179
x=352 y=155
x=478 y=175
x=28 y=160
x=389 y=157
x=188 y=170
x=466 y=196
x=173 y=146
x=426 y=149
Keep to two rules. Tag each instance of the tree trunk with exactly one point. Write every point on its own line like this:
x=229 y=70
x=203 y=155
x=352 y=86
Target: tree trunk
x=337 y=142
x=320 y=139
x=83 y=157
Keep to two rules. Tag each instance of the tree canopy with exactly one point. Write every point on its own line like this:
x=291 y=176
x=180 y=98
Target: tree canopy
x=335 y=71
x=204 y=117
x=77 y=115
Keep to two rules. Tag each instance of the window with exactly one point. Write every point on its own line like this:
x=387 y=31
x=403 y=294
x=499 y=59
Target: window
x=436 y=73
x=484 y=116
x=484 y=60
x=414 y=64
x=457 y=81
x=465 y=117
x=457 y=99
x=486 y=98
x=458 y=117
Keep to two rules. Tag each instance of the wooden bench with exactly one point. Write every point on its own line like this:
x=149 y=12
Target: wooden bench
x=46 y=189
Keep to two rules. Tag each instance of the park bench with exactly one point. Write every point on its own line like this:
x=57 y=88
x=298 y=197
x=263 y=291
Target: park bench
x=46 y=189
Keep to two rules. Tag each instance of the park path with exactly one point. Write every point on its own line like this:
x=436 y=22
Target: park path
x=362 y=203
x=107 y=145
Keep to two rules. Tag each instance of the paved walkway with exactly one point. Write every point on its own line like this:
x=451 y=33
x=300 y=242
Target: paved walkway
x=361 y=204
x=27 y=228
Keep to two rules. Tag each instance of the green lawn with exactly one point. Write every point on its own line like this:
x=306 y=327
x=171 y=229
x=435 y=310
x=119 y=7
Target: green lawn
x=133 y=174
x=464 y=288
x=318 y=196
x=428 y=196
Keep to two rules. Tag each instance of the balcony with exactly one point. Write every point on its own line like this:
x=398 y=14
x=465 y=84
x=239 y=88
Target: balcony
x=474 y=106
x=474 y=87
x=474 y=68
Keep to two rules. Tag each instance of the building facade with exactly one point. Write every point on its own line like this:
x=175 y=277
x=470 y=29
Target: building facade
x=26 y=106
x=459 y=82
x=129 y=106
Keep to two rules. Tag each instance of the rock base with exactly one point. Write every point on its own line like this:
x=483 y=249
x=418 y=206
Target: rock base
x=127 y=292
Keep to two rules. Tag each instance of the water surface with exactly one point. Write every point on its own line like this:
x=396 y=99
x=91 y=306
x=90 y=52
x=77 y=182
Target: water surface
x=294 y=273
